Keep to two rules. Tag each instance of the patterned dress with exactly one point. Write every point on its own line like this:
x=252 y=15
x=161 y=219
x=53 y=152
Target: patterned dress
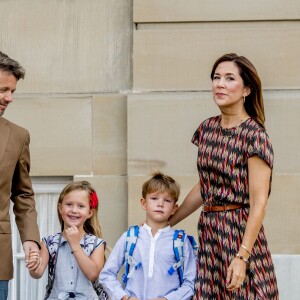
x=223 y=171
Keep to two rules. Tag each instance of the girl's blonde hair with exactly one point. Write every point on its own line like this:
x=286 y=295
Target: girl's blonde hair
x=92 y=224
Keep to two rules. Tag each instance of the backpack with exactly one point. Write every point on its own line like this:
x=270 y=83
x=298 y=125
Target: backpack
x=178 y=245
x=53 y=248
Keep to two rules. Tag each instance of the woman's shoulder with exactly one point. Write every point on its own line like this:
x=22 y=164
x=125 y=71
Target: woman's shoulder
x=210 y=122
x=205 y=127
x=255 y=130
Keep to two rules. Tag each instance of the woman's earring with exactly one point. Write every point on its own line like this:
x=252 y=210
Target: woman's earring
x=244 y=99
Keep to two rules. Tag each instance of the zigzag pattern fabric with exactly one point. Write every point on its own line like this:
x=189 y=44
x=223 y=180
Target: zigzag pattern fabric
x=223 y=171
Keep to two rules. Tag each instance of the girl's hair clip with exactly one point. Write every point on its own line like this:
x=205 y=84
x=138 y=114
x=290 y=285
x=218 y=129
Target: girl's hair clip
x=93 y=200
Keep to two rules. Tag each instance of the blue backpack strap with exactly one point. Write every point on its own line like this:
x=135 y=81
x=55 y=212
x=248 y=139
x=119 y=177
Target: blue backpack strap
x=178 y=247
x=193 y=243
x=130 y=264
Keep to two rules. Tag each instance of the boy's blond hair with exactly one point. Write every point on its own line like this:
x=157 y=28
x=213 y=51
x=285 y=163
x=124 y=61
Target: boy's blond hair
x=159 y=182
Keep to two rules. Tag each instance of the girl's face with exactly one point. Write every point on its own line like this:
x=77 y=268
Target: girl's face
x=228 y=86
x=75 y=209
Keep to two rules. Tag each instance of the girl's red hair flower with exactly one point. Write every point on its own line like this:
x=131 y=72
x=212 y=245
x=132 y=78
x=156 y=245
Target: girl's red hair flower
x=93 y=200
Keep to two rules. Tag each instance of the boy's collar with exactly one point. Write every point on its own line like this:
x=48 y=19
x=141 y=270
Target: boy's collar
x=165 y=229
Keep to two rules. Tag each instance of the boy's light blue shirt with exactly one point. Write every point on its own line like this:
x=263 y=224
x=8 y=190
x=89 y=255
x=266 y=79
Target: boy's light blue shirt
x=152 y=279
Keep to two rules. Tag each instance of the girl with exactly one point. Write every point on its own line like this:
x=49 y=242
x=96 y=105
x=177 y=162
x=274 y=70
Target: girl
x=76 y=255
x=235 y=161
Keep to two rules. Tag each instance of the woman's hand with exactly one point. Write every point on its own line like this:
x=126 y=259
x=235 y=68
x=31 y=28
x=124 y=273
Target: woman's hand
x=236 y=274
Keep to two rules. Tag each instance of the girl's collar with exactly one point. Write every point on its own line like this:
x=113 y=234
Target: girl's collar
x=81 y=242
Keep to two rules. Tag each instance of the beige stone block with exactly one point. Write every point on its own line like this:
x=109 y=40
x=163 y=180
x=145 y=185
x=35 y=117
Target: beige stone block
x=109 y=135
x=112 y=194
x=161 y=138
x=282 y=223
x=283 y=125
x=69 y=46
x=136 y=214
x=61 y=133
x=149 y=141
x=179 y=56
x=207 y=10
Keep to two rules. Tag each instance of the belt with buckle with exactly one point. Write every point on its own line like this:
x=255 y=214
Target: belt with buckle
x=216 y=208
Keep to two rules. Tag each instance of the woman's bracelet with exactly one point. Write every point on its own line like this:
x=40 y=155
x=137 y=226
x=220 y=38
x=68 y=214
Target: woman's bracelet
x=244 y=247
x=242 y=258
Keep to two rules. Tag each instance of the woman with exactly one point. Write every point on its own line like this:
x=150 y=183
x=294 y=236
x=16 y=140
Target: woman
x=235 y=160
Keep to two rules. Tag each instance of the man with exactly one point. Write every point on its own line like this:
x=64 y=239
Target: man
x=15 y=182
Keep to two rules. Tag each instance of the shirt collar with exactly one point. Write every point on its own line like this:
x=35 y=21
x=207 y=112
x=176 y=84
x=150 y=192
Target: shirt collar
x=81 y=242
x=165 y=229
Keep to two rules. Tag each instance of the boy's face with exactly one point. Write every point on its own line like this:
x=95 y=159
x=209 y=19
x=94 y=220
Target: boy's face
x=159 y=208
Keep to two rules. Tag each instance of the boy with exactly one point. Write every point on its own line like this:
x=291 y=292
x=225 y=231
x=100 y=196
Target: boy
x=154 y=251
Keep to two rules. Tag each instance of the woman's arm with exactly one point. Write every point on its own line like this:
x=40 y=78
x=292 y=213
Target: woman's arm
x=191 y=203
x=259 y=182
x=259 y=174
x=38 y=261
